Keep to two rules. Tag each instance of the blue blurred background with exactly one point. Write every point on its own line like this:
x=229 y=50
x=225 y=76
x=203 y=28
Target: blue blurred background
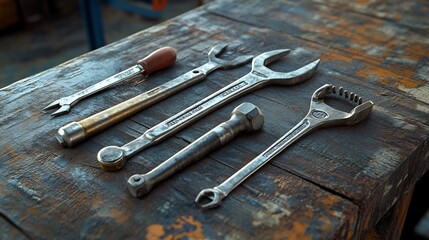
x=39 y=34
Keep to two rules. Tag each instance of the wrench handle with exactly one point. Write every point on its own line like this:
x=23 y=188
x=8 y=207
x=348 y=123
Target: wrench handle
x=193 y=152
x=157 y=60
x=191 y=114
x=108 y=82
x=302 y=128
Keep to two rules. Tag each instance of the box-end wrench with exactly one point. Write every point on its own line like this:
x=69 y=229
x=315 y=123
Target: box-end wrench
x=157 y=60
x=320 y=115
x=76 y=132
x=113 y=158
x=244 y=118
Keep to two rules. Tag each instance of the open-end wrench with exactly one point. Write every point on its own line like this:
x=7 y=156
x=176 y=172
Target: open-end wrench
x=320 y=115
x=113 y=158
x=157 y=60
x=244 y=118
x=76 y=132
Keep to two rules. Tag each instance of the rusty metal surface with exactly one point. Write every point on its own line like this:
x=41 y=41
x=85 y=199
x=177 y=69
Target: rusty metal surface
x=335 y=183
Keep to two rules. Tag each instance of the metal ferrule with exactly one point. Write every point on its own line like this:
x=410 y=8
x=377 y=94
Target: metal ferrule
x=70 y=134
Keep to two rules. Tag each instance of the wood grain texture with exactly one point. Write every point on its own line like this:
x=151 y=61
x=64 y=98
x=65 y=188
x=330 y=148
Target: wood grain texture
x=10 y=231
x=334 y=183
x=391 y=224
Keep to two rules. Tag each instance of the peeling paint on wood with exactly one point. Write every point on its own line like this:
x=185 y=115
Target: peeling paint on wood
x=335 y=183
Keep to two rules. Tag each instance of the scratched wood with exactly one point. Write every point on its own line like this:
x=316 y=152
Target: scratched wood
x=9 y=230
x=391 y=224
x=334 y=183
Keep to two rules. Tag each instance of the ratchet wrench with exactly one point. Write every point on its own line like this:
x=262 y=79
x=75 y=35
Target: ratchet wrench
x=320 y=115
x=76 y=132
x=157 y=60
x=113 y=158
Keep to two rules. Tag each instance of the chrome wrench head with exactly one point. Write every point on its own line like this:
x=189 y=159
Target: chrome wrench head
x=329 y=116
x=210 y=198
x=282 y=78
x=64 y=105
x=217 y=50
x=112 y=157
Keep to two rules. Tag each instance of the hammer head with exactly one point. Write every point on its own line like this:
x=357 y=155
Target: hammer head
x=253 y=115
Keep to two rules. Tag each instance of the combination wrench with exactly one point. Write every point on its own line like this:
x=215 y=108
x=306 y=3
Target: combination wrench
x=76 y=132
x=157 y=60
x=244 y=118
x=113 y=158
x=320 y=115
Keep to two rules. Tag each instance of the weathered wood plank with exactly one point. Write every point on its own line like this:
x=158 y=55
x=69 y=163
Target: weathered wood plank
x=62 y=191
x=65 y=197
x=9 y=231
x=409 y=13
x=386 y=53
x=334 y=183
x=390 y=226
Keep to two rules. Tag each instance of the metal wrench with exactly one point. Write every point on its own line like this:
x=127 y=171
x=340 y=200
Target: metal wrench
x=113 y=158
x=244 y=118
x=157 y=60
x=76 y=132
x=320 y=115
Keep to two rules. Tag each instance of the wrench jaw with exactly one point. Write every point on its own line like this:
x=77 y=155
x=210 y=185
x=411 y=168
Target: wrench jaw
x=111 y=158
x=53 y=104
x=210 y=198
x=259 y=68
x=297 y=76
x=216 y=51
x=260 y=62
x=64 y=107
x=360 y=112
x=63 y=110
x=324 y=115
x=224 y=64
x=138 y=185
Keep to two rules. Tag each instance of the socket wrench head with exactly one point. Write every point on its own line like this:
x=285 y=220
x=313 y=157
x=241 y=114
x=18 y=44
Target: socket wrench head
x=111 y=158
x=251 y=114
x=138 y=185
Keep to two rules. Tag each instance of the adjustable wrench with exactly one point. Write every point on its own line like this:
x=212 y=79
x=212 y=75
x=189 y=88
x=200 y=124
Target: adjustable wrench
x=113 y=158
x=76 y=132
x=320 y=115
x=244 y=118
x=157 y=60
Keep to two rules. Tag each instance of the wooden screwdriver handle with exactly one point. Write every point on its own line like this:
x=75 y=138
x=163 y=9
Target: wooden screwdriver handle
x=157 y=60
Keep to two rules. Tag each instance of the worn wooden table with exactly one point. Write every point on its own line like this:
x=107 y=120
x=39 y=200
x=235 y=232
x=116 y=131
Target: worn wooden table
x=345 y=182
